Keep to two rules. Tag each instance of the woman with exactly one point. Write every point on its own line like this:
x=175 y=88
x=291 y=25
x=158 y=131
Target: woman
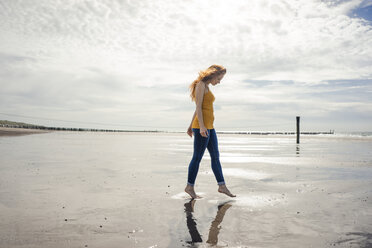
x=202 y=128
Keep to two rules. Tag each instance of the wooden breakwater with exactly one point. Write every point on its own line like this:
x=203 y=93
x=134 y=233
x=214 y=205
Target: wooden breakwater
x=158 y=131
x=72 y=129
x=273 y=132
x=297 y=132
x=10 y=124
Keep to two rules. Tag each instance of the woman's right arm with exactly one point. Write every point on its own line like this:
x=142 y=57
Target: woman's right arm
x=199 y=95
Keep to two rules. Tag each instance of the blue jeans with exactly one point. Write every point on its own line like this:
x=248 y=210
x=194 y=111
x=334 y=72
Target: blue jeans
x=200 y=144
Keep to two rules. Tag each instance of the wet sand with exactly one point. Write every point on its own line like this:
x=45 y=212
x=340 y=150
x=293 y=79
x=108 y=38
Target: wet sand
x=72 y=189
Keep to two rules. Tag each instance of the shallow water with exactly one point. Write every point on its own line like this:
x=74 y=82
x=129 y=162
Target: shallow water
x=81 y=189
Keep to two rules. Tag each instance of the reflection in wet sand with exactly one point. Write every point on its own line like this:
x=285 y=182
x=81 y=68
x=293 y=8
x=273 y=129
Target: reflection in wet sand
x=215 y=226
x=191 y=224
x=297 y=150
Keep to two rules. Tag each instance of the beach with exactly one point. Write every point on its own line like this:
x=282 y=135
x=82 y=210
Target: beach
x=96 y=189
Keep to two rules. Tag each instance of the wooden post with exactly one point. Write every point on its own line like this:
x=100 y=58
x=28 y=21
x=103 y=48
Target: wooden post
x=298 y=129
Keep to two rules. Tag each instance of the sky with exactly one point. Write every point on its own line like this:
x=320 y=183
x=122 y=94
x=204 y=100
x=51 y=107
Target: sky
x=121 y=64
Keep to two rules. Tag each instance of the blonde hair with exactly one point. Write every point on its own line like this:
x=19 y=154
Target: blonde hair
x=206 y=75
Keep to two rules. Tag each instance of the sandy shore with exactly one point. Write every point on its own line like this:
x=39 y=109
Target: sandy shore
x=5 y=131
x=92 y=189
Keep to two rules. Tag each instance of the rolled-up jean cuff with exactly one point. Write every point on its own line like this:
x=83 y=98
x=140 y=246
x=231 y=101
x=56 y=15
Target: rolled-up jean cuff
x=221 y=183
x=191 y=184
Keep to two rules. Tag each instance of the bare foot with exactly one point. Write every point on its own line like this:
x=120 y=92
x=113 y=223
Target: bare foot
x=190 y=190
x=223 y=189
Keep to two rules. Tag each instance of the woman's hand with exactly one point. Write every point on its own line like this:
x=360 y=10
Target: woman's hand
x=203 y=132
x=189 y=131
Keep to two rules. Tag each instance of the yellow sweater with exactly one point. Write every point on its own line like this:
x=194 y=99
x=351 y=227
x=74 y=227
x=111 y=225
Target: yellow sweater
x=207 y=109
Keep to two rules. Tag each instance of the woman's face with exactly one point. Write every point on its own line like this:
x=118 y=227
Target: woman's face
x=217 y=79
